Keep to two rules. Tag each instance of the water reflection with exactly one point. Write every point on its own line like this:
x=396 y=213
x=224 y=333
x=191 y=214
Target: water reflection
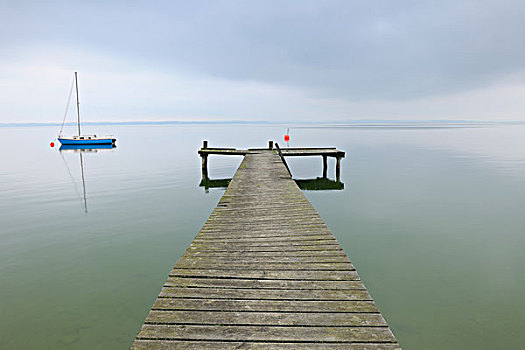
x=317 y=184
x=80 y=149
x=217 y=183
x=85 y=148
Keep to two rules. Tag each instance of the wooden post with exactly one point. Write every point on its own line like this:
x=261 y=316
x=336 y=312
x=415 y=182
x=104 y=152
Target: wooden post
x=325 y=166
x=270 y=144
x=338 y=169
x=204 y=161
x=204 y=166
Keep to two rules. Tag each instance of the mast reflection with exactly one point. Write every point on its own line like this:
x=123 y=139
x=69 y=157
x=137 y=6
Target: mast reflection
x=80 y=149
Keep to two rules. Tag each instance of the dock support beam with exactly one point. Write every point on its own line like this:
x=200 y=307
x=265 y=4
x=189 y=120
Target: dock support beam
x=325 y=166
x=270 y=144
x=338 y=169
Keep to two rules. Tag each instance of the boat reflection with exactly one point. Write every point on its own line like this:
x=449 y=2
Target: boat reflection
x=80 y=149
x=86 y=148
x=317 y=184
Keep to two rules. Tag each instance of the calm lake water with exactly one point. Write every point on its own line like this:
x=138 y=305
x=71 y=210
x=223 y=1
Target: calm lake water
x=433 y=218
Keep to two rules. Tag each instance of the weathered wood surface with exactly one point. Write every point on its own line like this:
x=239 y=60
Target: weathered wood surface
x=287 y=152
x=225 y=345
x=264 y=272
x=223 y=151
x=305 y=152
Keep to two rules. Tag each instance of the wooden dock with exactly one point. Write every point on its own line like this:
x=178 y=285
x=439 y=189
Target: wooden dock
x=264 y=272
x=325 y=152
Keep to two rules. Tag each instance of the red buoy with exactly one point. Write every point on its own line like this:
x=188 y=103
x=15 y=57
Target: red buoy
x=52 y=144
x=286 y=138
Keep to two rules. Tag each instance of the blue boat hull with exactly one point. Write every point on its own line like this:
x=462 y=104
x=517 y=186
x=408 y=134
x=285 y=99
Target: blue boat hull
x=87 y=147
x=87 y=142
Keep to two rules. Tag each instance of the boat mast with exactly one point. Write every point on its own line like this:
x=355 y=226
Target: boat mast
x=78 y=105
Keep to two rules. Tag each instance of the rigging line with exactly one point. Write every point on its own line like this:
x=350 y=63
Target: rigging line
x=67 y=106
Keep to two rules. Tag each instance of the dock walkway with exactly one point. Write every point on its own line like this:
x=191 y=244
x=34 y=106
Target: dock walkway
x=264 y=272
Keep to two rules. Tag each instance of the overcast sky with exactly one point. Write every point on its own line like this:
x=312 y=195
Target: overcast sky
x=264 y=60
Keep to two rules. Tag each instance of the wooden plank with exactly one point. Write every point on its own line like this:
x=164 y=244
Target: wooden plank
x=266 y=333
x=270 y=222
x=247 y=248
x=261 y=283
x=218 y=345
x=239 y=237
x=266 y=294
x=266 y=318
x=226 y=259
x=266 y=253
x=280 y=221
x=220 y=245
x=269 y=274
x=264 y=305
x=253 y=208
x=249 y=206
x=222 y=234
x=258 y=265
x=223 y=151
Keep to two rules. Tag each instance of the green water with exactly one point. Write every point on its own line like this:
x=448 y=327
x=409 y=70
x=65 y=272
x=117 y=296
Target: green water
x=431 y=217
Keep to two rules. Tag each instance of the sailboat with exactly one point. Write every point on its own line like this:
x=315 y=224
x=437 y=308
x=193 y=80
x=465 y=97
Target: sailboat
x=83 y=139
x=82 y=150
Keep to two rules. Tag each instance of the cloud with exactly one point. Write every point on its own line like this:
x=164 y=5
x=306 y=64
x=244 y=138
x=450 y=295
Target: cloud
x=275 y=59
x=121 y=90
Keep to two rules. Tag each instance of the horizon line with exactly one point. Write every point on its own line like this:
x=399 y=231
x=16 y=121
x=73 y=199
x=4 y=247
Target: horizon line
x=363 y=122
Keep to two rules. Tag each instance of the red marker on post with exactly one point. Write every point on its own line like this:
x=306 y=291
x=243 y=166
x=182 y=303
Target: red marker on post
x=287 y=136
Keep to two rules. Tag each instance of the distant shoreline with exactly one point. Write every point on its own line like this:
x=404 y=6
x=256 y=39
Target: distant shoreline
x=353 y=123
